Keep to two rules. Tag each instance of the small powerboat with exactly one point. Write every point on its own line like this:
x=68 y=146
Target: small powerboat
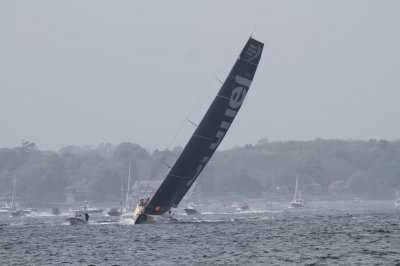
x=76 y=221
x=114 y=212
x=20 y=213
x=79 y=219
x=55 y=211
x=190 y=210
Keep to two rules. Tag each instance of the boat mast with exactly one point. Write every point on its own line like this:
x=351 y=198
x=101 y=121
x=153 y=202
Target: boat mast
x=295 y=189
x=122 y=192
x=273 y=187
x=13 y=194
x=129 y=180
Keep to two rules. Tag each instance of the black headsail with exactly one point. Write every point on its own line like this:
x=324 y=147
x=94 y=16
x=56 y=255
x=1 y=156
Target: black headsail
x=209 y=133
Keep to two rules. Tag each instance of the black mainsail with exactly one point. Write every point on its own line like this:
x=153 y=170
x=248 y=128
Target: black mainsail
x=209 y=133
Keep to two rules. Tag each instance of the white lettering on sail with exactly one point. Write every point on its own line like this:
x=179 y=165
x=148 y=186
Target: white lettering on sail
x=219 y=136
x=235 y=101
x=242 y=81
x=225 y=125
x=230 y=113
x=253 y=51
x=198 y=170
x=237 y=97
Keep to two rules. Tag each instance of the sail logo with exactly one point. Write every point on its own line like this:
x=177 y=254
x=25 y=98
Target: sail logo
x=235 y=101
x=253 y=51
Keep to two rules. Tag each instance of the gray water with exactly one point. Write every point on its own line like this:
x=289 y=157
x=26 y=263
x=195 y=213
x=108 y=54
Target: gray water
x=324 y=233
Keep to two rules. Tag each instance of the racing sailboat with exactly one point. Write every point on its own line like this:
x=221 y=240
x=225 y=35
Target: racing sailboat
x=205 y=139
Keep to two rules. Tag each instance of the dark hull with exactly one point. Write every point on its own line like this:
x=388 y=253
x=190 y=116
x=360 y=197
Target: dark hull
x=19 y=213
x=97 y=211
x=55 y=211
x=296 y=205
x=76 y=221
x=114 y=213
x=191 y=211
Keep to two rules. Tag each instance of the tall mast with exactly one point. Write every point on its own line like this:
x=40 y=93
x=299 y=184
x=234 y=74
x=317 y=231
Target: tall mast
x=129 y=181
x=13 y=194
x=295 y=189
x=122 y=192
x=273 y=187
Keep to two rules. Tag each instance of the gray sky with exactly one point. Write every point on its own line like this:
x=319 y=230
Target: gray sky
x=87 y=72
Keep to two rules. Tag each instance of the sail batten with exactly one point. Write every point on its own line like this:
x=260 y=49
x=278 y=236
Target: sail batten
x=223 y=97
x=251 y=63
x=209 y=133
x=202 y=137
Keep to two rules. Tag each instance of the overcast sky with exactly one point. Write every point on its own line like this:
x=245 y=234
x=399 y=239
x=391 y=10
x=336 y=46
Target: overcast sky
x=87 y=72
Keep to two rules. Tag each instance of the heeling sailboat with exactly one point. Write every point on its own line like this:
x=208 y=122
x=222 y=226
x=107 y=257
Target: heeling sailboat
x=206 y=137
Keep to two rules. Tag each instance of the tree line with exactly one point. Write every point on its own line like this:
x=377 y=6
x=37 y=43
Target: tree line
x=328 y=169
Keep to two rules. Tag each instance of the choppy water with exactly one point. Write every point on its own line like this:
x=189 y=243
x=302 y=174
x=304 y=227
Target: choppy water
x=322 y=234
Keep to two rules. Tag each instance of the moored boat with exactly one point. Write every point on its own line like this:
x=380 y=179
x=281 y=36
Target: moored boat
x=245 y=206
x=114 y=212
x=191 y=210
x=88 y=210
x=240 y=206
x=76 y=221
x=20 y=212
x=297 y=201
x=55 y=211
x=397 y=200
x=5 y=210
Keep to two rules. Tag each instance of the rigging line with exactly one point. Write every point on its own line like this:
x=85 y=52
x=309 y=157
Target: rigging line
x=190 y=121
x=176 y=134
x=201 y=101
x=183 y=177
x=219 y=80
x=254 y=29
x=198 y=136
x=223 y=97
x=169 y=166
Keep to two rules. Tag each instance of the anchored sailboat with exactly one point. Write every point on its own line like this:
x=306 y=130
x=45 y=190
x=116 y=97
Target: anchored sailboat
x=297 y=200
x=191 y=207
x=397 y=200
x=116 y=211
x=127 y=213
x=206 y=137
